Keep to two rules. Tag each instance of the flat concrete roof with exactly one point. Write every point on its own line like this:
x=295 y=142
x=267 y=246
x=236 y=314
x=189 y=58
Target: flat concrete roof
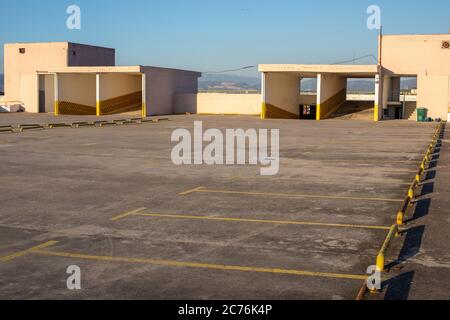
x=56 y=42
x=111 y=69
x=437 y=36
x=311 y=70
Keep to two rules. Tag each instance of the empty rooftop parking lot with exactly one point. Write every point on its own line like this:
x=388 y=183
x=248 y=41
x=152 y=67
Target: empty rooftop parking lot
x=110 y=201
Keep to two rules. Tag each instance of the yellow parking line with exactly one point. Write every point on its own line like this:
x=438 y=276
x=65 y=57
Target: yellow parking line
x=267 y=179
x=180 y=264
x=304 y=223
x=191 y=191
x=363 y=161
x=25 y=252
x=126 y=214
x=288 y=195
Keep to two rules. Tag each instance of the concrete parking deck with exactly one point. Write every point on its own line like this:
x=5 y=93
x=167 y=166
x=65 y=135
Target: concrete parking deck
x=110 y=201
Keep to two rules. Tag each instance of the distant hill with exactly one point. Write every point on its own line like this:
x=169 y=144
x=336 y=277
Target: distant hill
x=361 y=85
x=239 y=83
x=228 y=83
x=409 y=83
x=225 y=82
x=354 y=85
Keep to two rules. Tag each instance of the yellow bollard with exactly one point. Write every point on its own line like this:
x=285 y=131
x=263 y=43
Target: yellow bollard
x=411 y=193
x=418 y=178
x=422 y=166
x=400 y=218
x=380 y=262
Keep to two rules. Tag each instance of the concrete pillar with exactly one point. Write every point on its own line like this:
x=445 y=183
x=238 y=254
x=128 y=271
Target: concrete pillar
x=144 y=95
x=281 y=96
x=378 y=107
x=97 y=95
x=56 y=93
x=263 y=95
x=331 y=94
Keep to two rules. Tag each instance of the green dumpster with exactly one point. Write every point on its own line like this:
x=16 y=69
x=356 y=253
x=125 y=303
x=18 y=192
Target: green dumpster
x=422 y=114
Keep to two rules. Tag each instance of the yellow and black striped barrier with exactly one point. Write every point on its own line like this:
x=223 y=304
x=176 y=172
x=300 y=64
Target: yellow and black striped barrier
x=394 y=231
x=410 y=197
x=381 y=258
x=417 y=179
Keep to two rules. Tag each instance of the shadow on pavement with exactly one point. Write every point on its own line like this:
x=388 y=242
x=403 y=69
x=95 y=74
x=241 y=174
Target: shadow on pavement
x=398 y=288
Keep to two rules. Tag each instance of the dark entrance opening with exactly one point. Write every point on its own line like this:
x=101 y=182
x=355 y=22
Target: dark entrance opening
x=308 y=112
x=41 y=93
x=399 y=113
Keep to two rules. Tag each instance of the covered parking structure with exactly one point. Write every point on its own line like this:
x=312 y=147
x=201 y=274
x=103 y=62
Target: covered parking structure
x=282 y=96
x=112 y=90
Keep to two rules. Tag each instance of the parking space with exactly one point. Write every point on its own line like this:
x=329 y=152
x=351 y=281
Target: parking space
x=110 y=201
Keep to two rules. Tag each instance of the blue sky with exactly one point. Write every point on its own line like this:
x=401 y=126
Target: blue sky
x=209 y=35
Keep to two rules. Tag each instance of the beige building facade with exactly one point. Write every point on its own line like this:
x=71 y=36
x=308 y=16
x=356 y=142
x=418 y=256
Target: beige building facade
x=425 y=57
x=68 y=78
x=76 y=79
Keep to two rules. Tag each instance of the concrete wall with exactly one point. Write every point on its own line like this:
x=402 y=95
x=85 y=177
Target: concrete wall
x=77 y=88
x=186 y=89
x=331 y=94
x=85 y=55
x=37 y=57
x=40 y=57
x=113 y=85
x=228 y=103
x=415 y=54
x=424 y=57
x=29 y=84
x=169 y=91
x=307 y=99
x=281 y=95
x=434 y=94
x=242 y=104
x=185 y=103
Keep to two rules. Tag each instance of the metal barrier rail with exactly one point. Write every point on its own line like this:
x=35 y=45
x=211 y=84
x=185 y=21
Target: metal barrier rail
x=411 y=191
x=381 y=258
x=394 y=231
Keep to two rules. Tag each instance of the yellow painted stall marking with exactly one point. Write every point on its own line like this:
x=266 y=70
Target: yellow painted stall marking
x=280 y=222
x=181 y=264
x=287 y=195
x=27 y=251
x=126 y=214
